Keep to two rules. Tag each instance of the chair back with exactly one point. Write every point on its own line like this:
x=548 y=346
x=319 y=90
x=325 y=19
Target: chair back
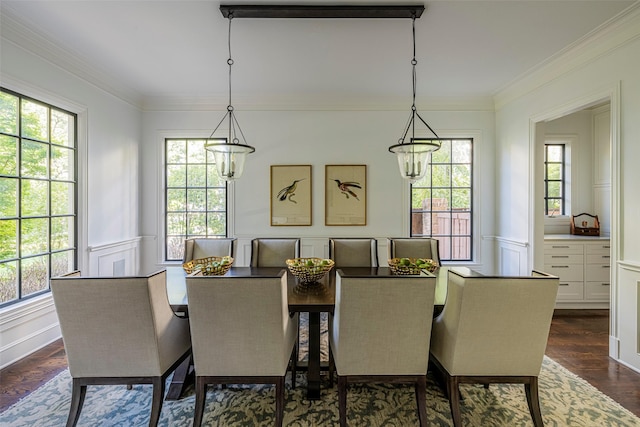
x=198 y=248
x=118 y=326
x=273 y=252
x=354 y=252
x=381 y=325
x=413 y=247
x=240 y=326
x=494 y=325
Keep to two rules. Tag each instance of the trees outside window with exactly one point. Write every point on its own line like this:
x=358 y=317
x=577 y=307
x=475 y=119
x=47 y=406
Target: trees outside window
x=38 y=193
x=195 y=196
x=441 y=202
x=554 y=179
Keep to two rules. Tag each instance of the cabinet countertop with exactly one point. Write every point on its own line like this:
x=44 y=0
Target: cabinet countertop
x=574 y=237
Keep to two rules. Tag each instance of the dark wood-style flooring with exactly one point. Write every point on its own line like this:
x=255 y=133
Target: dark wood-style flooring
x=578 y=340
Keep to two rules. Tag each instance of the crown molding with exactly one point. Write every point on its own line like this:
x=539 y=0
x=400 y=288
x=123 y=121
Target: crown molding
x=20 y=34
x=616 y=32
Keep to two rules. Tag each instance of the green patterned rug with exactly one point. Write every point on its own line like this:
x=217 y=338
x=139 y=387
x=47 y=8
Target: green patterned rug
x=566 y=400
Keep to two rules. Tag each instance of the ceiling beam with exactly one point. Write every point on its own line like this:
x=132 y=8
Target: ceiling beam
x=318 y=11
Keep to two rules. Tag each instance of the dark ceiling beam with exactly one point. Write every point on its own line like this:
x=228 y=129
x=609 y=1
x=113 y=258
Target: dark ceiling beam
x=322 y=11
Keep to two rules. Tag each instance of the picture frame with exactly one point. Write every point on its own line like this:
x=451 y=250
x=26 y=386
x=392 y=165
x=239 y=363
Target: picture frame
x=345 y=195
x=290 y=195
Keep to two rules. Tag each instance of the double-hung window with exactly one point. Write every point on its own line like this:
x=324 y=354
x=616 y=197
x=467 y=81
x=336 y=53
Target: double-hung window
x=38 y=193
x=195 y=196
x=441 y=202
x=554 y=179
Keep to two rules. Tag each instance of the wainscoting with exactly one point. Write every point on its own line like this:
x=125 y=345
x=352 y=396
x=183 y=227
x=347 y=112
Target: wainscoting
x=28 y=326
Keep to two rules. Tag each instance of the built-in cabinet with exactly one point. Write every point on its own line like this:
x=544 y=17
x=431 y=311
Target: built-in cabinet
x=583 y=265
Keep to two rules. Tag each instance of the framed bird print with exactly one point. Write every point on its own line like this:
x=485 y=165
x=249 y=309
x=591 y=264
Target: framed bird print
x=290 y=195
x=345 y=200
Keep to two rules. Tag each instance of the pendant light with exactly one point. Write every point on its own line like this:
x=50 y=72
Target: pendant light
x=413 y=155
x=229 y=153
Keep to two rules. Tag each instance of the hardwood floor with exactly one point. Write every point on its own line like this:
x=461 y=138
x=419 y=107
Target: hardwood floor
x=578 y=340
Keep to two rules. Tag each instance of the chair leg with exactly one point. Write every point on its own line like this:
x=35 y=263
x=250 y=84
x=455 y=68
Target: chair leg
x=279 y=401
x=421 y=398
x=77 y=400
x=332 y=367
x=156 y=401
x=533 y=399
x=201 y=395
x=454 y=400
x=342 y=400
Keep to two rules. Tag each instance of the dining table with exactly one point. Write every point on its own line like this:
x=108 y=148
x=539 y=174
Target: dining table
x=314 y=298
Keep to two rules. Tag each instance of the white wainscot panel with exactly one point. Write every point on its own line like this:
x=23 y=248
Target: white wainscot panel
x=115 y=259
x=512 y=258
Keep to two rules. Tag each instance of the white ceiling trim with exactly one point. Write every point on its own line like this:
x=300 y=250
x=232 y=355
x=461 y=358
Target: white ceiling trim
x=619 y=30
x=18 y=33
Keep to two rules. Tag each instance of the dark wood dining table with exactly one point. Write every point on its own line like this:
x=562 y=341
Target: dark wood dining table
x=313 y=299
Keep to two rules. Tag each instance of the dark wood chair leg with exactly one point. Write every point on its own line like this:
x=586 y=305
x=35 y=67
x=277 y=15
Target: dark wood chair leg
x=77 y=400
x=454 y=400
x=533 y=399
x=421 y=399
x=156 y=401
x=201 y=395
x=280 y=401
x=342 y=400
x=129 y=386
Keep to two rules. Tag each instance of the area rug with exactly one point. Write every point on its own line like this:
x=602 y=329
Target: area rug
x=566 y=400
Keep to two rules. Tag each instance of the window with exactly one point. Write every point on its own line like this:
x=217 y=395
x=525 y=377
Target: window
x=554 y=179
x=441 y=202
x=195 y=197
x=38 y=193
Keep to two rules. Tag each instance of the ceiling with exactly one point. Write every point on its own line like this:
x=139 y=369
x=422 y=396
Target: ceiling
x=154 y=52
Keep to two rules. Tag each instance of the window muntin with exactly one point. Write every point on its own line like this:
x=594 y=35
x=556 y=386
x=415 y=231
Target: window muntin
x=195 y=197
x=441 y=202
x=554 y=179
x=38 y=193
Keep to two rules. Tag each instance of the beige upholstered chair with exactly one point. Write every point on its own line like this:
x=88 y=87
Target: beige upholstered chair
x=413 y=247
x=354 y=252
x=197 y=248
x=380 y=333
x=119 y=330
x=241 y=332
x=273 y=252
x=493 y=330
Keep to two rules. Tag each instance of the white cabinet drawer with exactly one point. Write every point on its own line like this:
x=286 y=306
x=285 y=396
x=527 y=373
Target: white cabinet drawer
x=566 y=272
x=563 y=248
x=558 y=258
x=597 y=291
x=598 y=273
x=570 y=291
x=599 y=248
x=598 y=258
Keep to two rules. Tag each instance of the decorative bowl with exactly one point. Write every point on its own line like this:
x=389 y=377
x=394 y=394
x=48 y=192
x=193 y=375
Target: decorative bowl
x=209 y=266
x=411 y=266
x=309 y=270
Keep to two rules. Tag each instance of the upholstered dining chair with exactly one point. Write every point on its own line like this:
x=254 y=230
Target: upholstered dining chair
x=493 y=330
x=413 y=247
x=197 y=248
x=119 y=330
x=242 y=334
x=354 y=252
x=268 y=252
x=379 y=332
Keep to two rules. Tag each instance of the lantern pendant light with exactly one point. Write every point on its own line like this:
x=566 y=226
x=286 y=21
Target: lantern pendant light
x=414 y=154
x=229 y=153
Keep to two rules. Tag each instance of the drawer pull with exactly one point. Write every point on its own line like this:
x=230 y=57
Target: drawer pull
x=606 y=247
x=561 y=247
x=605 y=284
x=559 y=266
x=606 y=256
x=606 y=266
x=559 y=256
x=564 y=284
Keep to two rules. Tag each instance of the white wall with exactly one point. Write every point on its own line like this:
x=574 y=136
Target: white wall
x=109 y=137
x=607 y=67
x=317 y=138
